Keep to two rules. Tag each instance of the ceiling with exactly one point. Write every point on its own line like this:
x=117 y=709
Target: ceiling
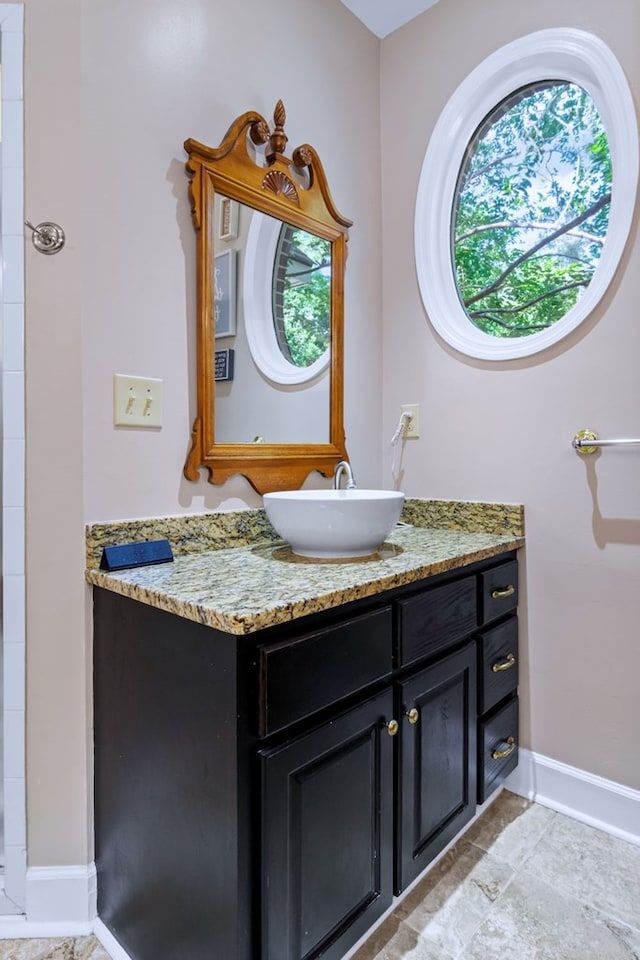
x=384 y=16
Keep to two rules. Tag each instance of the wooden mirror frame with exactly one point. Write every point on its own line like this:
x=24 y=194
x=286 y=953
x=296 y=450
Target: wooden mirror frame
x=274 y=189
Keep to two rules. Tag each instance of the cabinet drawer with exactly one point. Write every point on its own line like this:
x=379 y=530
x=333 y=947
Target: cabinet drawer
x=436 y=618
x=499 y=588
x=497 y=748
x=304 y=674
x=497 y=663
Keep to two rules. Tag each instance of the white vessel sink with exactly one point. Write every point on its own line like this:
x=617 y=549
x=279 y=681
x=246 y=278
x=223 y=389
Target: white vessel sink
x=334 y=524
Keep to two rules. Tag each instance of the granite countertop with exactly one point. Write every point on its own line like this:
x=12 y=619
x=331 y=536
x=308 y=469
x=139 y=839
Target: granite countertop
x=258 y=582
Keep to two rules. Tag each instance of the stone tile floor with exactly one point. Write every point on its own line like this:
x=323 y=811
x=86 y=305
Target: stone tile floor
x=524 y=883
x=59 y=948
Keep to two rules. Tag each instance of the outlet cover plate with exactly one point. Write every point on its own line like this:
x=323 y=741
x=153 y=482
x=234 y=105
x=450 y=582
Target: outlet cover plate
x=412 y=430
x=137 y=401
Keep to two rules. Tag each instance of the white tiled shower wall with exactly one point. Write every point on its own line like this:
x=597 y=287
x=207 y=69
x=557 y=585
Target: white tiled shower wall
x=13 y=446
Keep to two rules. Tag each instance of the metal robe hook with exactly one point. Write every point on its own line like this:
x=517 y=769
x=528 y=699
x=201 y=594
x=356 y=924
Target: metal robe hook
x=47 y=237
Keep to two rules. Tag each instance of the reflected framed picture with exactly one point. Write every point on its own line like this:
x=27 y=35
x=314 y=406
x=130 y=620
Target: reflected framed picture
x=224 y=362
x=224 y=303
x=227 y=218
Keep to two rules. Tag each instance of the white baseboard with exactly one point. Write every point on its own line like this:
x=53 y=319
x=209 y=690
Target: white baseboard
x=593 y=800
x=61 y=894
x=19 y=928
x=60 y=902
x=109 y=942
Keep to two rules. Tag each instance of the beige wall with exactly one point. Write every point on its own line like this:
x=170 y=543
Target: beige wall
x=153 y=75
x=113 y=89
x=503 y=431
x=58 y=704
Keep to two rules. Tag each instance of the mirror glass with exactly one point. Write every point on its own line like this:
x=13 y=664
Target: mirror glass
x=279 y=388
x=271 y=255
x=301 y=296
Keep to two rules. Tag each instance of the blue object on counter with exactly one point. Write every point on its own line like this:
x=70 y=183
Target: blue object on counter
x=140 y=554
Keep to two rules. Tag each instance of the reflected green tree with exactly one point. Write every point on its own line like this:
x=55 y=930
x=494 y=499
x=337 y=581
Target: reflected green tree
x=302 y=304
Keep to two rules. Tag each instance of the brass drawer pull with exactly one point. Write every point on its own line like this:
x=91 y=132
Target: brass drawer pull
x=502 y=592
x=504 y=664
x=500 y=754
x=412 y=715
x=392 y=727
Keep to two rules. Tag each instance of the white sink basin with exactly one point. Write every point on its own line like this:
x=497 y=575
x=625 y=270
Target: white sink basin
x=334 y=524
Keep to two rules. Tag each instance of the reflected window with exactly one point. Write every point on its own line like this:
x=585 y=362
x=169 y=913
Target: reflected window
x=301 y=295
x=531 y=209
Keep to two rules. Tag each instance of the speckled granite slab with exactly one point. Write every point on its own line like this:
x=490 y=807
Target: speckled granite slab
x=188 y=533
x=199 y=533
x=241 y=590
x=466 y=515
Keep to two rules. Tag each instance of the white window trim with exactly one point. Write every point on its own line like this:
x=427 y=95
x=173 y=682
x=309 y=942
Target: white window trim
x=260 y=255
x=555 y=54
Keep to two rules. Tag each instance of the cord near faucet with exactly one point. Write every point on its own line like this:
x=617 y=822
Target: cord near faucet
x=401 y=433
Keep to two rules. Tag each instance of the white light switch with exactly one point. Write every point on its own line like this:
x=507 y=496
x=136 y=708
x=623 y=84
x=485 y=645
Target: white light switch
x=137 y=401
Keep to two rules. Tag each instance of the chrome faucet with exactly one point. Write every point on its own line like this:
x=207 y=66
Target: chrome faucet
x=343 y=466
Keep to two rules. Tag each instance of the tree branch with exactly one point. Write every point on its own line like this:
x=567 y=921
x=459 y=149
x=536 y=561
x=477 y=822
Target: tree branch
x=530 y=303
x=506 y=224
x=497 y=283
x=506 y=326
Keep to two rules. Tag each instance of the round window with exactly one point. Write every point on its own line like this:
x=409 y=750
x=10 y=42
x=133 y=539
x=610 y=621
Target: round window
x=526 y=195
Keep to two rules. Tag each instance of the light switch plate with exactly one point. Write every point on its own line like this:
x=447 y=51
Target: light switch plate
x=137 y=401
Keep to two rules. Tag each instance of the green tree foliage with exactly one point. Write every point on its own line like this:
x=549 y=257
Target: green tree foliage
x=306 y=306
x=532 y=209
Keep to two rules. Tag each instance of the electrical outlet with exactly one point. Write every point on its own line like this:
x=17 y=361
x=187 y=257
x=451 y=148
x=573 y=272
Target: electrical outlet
x=137 y=401
x=412 y=429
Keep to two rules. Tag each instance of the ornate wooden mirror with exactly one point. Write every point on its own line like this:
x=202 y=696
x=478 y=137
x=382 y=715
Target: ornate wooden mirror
x=271 y=254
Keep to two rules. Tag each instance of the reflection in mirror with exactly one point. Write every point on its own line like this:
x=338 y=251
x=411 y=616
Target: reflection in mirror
x=302 y=295
x=271 y=255
x=280 y=385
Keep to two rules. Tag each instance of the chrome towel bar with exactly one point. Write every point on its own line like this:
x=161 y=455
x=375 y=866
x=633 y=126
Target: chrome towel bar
x=586 y=442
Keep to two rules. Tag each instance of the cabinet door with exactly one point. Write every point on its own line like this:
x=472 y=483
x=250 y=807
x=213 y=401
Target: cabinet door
x=437 y=763
x=327 y=835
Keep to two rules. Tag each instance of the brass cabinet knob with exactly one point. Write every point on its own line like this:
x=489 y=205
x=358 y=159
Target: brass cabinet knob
x=502 y=592
x=392 y=727
x=506 y=664
x=412 y=715
x=500 y=754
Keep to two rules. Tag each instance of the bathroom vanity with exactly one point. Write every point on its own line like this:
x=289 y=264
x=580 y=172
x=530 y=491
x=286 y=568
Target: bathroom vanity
x=274 y=765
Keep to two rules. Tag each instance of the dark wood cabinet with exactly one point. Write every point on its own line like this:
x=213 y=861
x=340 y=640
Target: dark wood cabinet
x=437 y=760
x=497 y=746
x=327 y=824
x=262 y=797
x=435 y=619
x=497 y=664
x=497 y=677
x=308 y=671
